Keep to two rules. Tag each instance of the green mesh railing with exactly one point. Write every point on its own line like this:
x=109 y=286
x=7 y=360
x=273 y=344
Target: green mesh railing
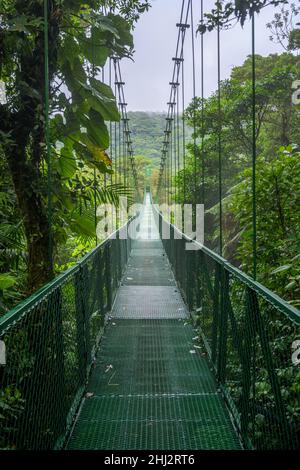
x=50 y=341
x=248 y=333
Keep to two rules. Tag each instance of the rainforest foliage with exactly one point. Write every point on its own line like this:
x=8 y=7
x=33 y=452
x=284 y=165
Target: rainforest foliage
x=82 y=36
x=277 y=171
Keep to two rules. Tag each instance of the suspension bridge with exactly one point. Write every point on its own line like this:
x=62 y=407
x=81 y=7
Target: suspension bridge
x=145 y=343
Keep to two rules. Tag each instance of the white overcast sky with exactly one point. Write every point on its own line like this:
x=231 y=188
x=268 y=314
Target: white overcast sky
x=147 y=78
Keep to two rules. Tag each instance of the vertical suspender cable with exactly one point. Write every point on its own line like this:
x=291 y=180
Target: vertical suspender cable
x=123 y=152
x=47 y=130
x=110 y=123
x=183 y=132
x=115 y=130
x=220 y=143
x=126 y=139
x=167 y=142
x=194 y=96
x=175 y=144
x=95 y=205
x=115 y=141
x=178 y=145
x=94 y=172
x=103 y=80
x=166 y=180
x=254 y=221
x=119 y=151
x=202 y=109
x=168 y=170
x=171 y=165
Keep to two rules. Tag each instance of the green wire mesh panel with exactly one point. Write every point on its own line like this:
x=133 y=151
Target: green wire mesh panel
x=248 y=333
x=154 y=422
x=50 y=340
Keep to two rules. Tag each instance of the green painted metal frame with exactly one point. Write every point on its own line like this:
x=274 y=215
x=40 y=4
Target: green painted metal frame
x=51 y=340
x=242 y=323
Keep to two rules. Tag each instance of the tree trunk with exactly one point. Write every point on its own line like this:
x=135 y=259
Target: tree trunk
x=26 y=128
x=27 y=181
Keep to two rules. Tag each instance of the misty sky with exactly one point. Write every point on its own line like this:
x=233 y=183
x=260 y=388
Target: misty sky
x=147 y=78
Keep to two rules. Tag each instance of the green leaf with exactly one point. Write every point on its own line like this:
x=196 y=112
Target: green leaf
x=6 y=281
x=104 y=25
x=123 y=29
x=290 y=285
x=66 y=165
x=22 y=24
x=95 y=54
x=83 y=225
x=285 y=267
x=101 y=98
x=88 y=143
x=97 y=129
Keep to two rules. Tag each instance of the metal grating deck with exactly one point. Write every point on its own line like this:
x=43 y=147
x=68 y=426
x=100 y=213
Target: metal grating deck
x=144 y=302
x=150 y=356
x=175 y=422
x=151 y=387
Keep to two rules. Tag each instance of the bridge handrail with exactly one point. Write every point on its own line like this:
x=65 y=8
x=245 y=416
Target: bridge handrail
x=16 y=312
x=289 y=310
x=249 y=334
x=48 y=344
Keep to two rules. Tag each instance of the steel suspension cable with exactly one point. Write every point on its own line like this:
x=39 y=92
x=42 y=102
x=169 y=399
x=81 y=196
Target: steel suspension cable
x=47 y=133
x=220 y=143
x=202 y=107
x=254 y=216
x=178 y=147
x=194 y=100
x=183 y=130
x=174 y=82
x=175 y=145
x=126 y=143
x=171 y=164
x=103 y=80
x=110 y=124
x=94 y=170
x=119 y=150
x=115 y=136
x=95 y=203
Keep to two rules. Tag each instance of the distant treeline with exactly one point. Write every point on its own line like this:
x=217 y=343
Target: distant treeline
x=148 y=132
